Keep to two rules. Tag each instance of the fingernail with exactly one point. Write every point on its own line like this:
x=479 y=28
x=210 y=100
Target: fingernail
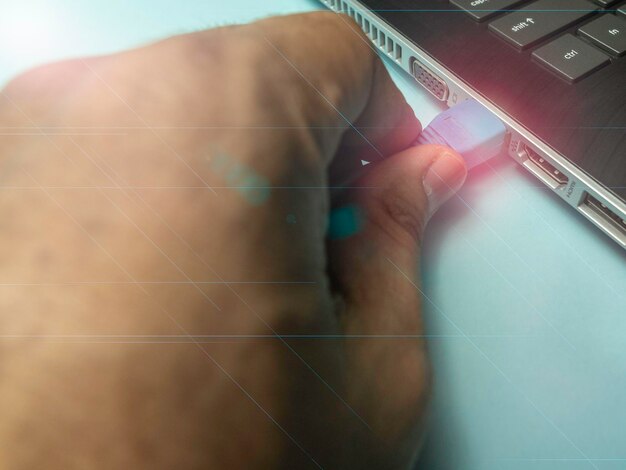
x=444 y=177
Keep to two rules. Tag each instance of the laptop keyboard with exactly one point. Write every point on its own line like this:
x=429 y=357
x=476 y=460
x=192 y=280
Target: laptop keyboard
x=525 y=24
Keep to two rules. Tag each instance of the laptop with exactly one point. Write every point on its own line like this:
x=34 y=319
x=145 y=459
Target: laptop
x=554 y=71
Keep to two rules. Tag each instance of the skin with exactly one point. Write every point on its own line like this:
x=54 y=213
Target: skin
x=126 y=212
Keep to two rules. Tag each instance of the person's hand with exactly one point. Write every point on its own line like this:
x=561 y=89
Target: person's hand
x=170 y=291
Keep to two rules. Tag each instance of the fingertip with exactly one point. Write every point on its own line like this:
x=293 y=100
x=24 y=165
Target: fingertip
x=432 y=173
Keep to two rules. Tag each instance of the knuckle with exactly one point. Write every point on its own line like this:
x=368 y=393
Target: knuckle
x=52 y=79
x=231 y=56
x=353 y=34
x=343 y=32
x=197 y=50
x=352 y=28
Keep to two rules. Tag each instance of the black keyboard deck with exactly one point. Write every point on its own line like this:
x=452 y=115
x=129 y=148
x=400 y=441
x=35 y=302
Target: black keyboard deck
x=599 y=40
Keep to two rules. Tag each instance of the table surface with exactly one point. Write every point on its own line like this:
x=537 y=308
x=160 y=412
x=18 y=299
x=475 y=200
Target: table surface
x=525 y=301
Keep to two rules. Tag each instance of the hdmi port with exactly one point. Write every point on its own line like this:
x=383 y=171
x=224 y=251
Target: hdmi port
x=542 y=168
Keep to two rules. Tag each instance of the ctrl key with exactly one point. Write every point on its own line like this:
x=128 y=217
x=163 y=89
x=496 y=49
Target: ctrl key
x=570 y=57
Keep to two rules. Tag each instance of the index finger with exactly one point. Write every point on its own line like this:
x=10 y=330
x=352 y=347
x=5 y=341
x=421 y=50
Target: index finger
x=350 y=90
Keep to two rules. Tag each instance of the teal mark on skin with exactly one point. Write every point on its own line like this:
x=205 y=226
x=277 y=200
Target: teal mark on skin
x=255 y=188
x=344 y=222
x=218 y=162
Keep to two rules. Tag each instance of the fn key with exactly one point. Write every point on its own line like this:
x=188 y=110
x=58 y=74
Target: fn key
x=570 y=58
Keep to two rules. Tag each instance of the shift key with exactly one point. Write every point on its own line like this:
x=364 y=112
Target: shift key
x=539 y=20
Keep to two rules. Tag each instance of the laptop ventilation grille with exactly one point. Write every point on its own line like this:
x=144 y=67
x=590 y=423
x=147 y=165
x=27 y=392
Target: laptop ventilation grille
x=424 y=76
x=386 y=44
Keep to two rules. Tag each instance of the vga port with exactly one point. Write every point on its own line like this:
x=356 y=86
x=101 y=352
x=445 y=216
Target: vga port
x=429 y=80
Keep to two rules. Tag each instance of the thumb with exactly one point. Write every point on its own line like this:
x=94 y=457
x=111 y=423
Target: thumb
x=375 y=234
x=375 y=276
x=380 y=224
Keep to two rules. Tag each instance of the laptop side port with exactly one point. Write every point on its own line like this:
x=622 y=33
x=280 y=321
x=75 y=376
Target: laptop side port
x=611 y=222
x=542 y=168
x=429 y=80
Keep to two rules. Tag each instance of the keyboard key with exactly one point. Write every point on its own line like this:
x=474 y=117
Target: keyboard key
x=607 y=32
x=539 y=20
x=480 y=10
x=570 y=57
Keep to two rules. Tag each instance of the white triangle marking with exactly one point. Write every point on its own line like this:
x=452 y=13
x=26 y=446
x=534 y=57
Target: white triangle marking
x=364 y=162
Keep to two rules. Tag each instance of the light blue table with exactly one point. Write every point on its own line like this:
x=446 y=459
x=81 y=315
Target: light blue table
x=526 y=300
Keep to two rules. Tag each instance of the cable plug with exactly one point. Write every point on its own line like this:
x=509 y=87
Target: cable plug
x=470 y=129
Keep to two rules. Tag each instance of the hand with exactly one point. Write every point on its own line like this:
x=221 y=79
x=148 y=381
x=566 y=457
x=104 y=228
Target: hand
x=168 y=221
